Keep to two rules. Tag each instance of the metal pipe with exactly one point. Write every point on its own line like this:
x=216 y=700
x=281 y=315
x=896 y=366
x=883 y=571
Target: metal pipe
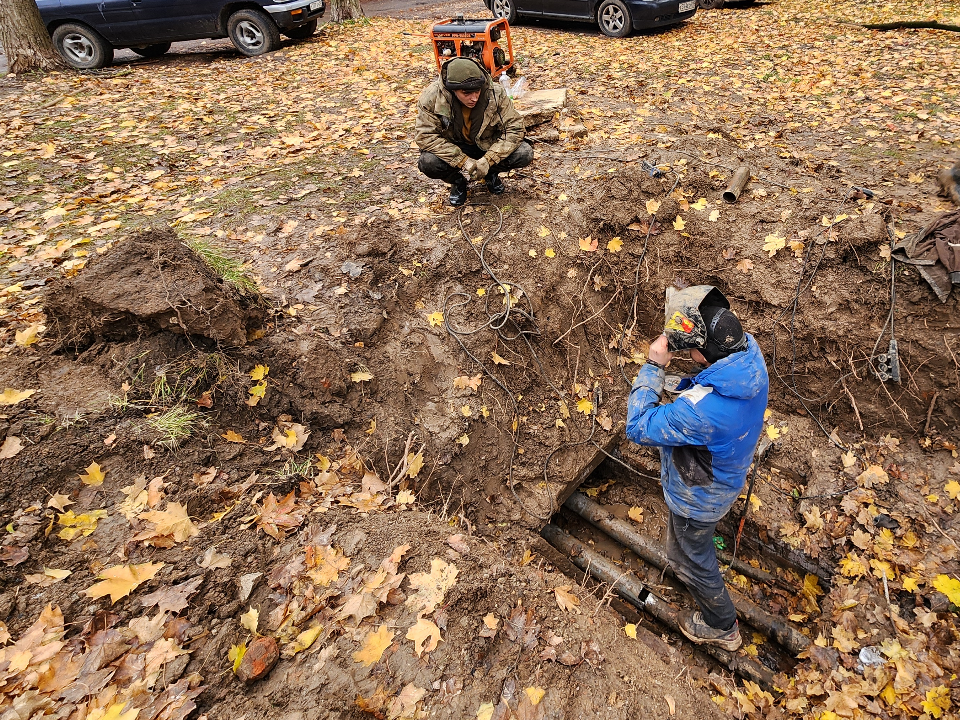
x=739 y=180
x=633 y=591
x=780 y=630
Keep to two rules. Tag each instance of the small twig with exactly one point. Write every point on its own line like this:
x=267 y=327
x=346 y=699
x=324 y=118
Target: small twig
x=886 y=595
x=933 y=403
x=956 y=365
x=853 y=402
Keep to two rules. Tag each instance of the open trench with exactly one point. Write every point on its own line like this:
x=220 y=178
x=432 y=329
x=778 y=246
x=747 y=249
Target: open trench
x=622 y=558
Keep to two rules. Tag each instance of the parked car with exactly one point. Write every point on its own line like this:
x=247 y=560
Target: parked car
x=86 y=32
x=616 y=18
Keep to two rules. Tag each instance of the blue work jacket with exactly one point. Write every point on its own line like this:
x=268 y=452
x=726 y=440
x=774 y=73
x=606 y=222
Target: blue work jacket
x=707 y=436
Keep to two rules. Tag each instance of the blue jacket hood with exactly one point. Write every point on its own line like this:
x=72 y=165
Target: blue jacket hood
x=742 y=375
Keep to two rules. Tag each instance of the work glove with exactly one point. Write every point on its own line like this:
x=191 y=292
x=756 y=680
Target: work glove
x=480 y=168
x=469 y=168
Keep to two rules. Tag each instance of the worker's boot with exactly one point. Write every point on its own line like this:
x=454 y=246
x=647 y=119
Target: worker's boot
x=495 y=184
x=693 y=626
x=458 y=190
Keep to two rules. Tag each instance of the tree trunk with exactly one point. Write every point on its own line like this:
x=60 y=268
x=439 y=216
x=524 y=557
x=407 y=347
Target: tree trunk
x=24 y=38
x=340 y=10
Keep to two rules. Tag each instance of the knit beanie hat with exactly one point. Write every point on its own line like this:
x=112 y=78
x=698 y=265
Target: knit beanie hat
x=725 y=334
x=463 y=74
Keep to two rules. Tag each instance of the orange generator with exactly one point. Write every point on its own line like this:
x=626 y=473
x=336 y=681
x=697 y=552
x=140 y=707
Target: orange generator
x=478 y=39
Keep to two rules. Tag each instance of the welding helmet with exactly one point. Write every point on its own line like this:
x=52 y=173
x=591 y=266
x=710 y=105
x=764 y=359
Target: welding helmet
x=699 y=318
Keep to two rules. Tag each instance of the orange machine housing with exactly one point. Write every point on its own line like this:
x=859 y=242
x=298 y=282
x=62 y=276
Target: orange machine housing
x=479 y=39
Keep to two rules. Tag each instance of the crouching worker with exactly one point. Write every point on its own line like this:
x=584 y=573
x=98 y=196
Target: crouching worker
x=707 y=438
x=467 y=127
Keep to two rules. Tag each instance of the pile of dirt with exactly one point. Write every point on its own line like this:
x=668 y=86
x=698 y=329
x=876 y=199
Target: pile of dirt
x=149 y=282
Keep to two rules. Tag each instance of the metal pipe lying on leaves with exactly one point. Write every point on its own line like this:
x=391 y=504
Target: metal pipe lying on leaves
x=740 y=179
x=780 y=630
x=636 y=594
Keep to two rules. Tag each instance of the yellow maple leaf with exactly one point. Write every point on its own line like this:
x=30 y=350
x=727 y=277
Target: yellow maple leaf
x=497 y=360
x=952 y=489
x=361 y=376
x=773 y=432
x=938 y=700
x=910 y=584
x=94 y=475
x=588 y=244
x=74 y=525
x=28 y=336
x=120 y=580
x=544 y=232
x=113 y=712
x=303 y=641
x=425 y=636
x=236 y=654
x=12 y=397
x=772 y=243
x=414 y=464
x=376 y=643
x=436 y=319
x=466 y=410
x=615 y=245
x=464 y=440
x=550 y=252
x=631 y=630
x=585 y=405
x=174 y=522
x=700 y=204
x=714 y=215
x=535 y=694
x=653 y=206
x=636 y=514
x=485 y=711
x=256 y=393
x=234 y=437
x=431 y=587
x=679 y=223
x=328 y=563
x=259 y=372
x=948 y=586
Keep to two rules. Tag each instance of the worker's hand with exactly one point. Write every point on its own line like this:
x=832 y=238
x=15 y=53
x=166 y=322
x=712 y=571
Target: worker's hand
x=469 y=167
x=480 y=169
x=659 y=351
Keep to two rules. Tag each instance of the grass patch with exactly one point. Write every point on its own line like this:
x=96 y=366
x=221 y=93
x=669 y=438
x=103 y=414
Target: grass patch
x=174 y=426
x=230 y=269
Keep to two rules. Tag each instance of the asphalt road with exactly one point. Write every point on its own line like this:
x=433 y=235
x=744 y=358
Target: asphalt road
x=407 y=9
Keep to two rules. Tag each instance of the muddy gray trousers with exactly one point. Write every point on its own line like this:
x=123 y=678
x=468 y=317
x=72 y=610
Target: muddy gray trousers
x=693 y=558
x=437 y=169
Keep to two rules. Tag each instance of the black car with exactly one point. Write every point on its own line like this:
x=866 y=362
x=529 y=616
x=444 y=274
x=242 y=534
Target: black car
x=616 y=18
x=86 y=32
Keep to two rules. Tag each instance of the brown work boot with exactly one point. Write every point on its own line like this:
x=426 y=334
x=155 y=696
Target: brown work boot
x=696 y=630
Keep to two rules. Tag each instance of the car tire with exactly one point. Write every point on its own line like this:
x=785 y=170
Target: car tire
x=301 y=32
x=82 y=47
x=253 y=32
x=710 y=4
x=151 y=51
x=506 y=9
x=613 y=17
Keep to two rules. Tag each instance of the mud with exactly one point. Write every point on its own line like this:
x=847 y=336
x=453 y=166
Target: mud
x=149 y=282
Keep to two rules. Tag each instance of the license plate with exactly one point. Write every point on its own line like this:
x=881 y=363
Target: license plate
x=685 y=6
x=317 y=4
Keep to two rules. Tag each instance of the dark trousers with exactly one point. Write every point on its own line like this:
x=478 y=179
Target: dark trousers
x=437 y=169
x=693 y=558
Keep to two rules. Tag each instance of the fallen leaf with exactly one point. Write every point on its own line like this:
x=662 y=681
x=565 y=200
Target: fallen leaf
x=550 y=253
x=490 y=623
x=259 y=372
x=700 y=204
x=414 y=464
x=543 y=232
x=772 y=243
x=714 y=215
x=615 y=245
x=431 y=587
x=94 y=475
x=170 y=526
x=361 y=376
x=948 y=586
x=231 y=436
x=636 y=514
x=745 y=266
x=28 y=336
x=256 y=393
x=631 y=630
x=374 y=646
x=236 y=654
x=250 y=620
x=653 y=206
x=11 y=397
x=566 y=599
x=425 y=636
x=59 y=502
x=405 y=497
x=679 y=223
x=436 y=319
x=485 y=711
x=212 y=559
x=173 y=598
x=585 y=405
x=48 y=577
x=535 y=694
x=497 y=360
x=588 y=244
x=11 y=447
x=74 y=525
x=465 y=382
x=120 y=580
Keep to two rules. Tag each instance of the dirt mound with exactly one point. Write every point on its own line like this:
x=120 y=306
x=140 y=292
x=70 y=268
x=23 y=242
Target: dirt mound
x=149 y=282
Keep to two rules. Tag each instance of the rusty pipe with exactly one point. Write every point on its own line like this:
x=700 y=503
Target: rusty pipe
x=636 y=594
x=780 y=630
x=739 y=180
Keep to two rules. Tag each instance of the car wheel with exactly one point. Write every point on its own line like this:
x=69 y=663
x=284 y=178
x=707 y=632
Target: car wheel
x=82 y=47
x=253 y=33
x=614 y=19
x=506 y=9
x=710 y=4
x=301 y=32
x=150 y=51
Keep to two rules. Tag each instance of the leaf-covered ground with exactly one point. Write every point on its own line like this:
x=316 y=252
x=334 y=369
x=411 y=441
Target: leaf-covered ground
x=276 y=159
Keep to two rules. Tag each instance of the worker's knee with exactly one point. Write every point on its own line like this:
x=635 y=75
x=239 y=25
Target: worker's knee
x=433 y=167
x=521 y=157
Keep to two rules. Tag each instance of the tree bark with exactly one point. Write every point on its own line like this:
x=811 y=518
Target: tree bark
x=341 y=10
x=24 y=38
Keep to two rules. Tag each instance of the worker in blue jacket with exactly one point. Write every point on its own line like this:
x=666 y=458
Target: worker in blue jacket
x=707 y=438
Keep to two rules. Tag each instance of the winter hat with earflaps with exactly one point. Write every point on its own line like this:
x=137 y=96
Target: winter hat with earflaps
x=463 y=74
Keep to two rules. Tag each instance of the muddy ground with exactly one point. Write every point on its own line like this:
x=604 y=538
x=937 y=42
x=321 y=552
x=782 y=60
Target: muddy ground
x=368 y=346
